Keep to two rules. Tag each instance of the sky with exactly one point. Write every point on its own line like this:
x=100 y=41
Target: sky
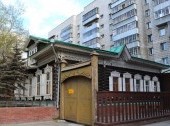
x=41 y=16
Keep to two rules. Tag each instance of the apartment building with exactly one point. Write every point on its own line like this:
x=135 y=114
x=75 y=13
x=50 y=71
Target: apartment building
x=158 y=32
x=143 y=25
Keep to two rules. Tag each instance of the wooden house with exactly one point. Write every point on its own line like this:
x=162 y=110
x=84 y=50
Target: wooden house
x=93 y=86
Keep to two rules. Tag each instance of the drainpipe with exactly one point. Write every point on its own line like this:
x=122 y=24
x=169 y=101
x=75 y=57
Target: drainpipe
x=57 y=60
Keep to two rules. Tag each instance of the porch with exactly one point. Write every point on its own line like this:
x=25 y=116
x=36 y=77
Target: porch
x=123 y=107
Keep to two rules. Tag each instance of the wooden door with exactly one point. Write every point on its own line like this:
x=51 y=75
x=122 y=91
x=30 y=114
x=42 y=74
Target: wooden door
x=77 y=100
x=84 y=101
x=70 y=100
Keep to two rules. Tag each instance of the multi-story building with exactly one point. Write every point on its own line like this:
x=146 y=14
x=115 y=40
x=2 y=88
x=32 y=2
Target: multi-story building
x=143 y=25
x=158 y=31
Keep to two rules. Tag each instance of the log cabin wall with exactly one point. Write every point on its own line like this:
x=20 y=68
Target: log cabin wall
x=165 y=81
x=105 y=71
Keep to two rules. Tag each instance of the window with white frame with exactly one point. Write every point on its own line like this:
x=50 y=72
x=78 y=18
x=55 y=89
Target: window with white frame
x=150 y=38
x=150 y=51
x=162 y=31
x=138 y=85
x=157 y=2
x=115 y=83
x=146 y=85
x=155 y=86
x=162 y=12
x=125 y=28
x=127 y=84
x=165 y=60
x=134 y=51
x=147 y=13
x=30 y=87
x=48 y=85
x=38 y=84
x=148 y=25
x=164 y=46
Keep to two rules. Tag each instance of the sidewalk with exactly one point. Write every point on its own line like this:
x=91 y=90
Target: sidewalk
x=164 y=123
x=64 y=123
x=44 y=123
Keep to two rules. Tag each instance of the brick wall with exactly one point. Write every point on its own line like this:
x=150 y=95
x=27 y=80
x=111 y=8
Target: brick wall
x=27 y=114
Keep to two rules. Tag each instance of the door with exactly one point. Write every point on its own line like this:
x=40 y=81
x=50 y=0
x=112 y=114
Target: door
x=77 y=100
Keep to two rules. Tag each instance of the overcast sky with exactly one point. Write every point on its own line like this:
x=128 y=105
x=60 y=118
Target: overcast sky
x=43 y=15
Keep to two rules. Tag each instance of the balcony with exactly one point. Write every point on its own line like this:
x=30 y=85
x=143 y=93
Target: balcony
x=95 y=35
x=117 y=3
x=161 y=6
x=133 y=44
x=125 y=34
x=96 y=16
x=93 y=26
x=97 y=45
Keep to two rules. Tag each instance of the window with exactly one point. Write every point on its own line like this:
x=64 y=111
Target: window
x=146 y=1
x=155 y=87
x=48 y=85
x=134 y=51
x=125 y=28
x=123 y=5
x=147 y=85
x=91 y=32
x=91 y=42
x=164 y=46
x=148 y=25
x=78 y=27
x=157 y=2
x=126 y=40
x=147 y=13
x=162 y=31
x=38 y=84
x=102 y=36
x=124 y=16
x=102 y=26
x=150 y=51
x=90 y=14
x=127 y=84
x=30 y=87
x=150 y=38
x=101 y=16
x=165 y=60
x=138 y=85
x=162 y=12
x=78 y=35
x=115 y=83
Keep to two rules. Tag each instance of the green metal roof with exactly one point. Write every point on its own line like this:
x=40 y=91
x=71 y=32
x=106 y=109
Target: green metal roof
x=39 y=38
x=118 y=49
x=112 y=51
x=74 y=45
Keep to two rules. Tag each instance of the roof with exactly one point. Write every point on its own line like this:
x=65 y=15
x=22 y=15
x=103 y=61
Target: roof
x=116 y=51
x=73 y=45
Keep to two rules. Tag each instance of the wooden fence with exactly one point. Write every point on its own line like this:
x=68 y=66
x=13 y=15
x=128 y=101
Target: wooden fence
x=122 y=107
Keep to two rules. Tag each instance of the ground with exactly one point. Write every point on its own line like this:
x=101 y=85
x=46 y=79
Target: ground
x=64 y=123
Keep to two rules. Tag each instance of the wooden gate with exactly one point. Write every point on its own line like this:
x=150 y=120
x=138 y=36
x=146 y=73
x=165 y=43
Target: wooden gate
x=77 y=100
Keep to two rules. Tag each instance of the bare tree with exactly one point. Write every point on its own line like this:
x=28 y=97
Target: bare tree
x=11 y=28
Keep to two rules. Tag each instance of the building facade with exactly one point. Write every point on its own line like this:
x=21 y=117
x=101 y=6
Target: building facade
x=143 y=25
